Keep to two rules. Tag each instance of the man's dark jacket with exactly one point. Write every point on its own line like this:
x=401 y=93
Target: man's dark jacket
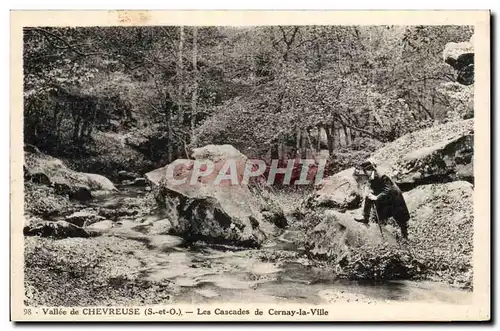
x=390 y=200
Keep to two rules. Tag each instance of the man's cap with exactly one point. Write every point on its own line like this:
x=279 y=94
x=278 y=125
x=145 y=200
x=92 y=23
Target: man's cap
x=367 y=166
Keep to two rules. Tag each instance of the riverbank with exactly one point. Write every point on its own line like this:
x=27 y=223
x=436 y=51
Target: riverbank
x=132 y=264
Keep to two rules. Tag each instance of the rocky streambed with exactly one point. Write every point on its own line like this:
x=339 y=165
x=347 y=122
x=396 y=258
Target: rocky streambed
x=88 y=242
x=131 y=261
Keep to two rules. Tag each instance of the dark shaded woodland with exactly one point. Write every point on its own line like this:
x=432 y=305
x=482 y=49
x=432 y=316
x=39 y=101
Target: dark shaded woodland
x=137 y=98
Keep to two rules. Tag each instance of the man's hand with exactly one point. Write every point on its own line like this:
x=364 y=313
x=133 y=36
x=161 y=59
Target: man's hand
x=372 y=197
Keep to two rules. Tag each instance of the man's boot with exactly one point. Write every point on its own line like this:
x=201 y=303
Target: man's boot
x=404 y=231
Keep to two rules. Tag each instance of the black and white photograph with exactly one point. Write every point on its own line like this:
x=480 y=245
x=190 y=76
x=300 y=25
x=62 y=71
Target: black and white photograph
x=230 y=167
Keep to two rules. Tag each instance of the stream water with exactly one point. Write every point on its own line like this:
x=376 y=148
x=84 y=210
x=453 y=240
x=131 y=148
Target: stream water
x=204 y=273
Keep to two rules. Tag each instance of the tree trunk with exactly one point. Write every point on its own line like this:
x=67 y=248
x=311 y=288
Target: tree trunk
x=433 y=105
x=170 y=136
x=56 y=125
x=81 y=132
x=308 y=136
x=59 y=123
x=338 y=134
x=76 y=129
x=355 y=133
x=303 y=148
x=180 y=71
x=180 y=97
x=297 y=142
x=330 y=138
x=54 y=118
x=318 y=143
x=281 y=150
x=89 y=131
x=347 y=135
x=319 y=60
x=194 y=96
x=275 y=154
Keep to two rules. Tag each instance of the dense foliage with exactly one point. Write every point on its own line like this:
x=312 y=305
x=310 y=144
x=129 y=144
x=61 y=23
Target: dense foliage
x=152 y=93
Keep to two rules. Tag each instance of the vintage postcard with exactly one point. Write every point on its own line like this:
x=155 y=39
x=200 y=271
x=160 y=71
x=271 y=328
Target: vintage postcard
x=250 y=166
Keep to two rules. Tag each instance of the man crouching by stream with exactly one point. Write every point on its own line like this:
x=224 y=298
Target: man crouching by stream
x=383 y=194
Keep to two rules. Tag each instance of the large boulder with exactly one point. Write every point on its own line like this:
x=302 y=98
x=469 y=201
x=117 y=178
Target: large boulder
x=97 y=182
x=218 y=154
x=340 y=191
x=47 y=170
x=460 y=94
x=461 y=100
x=441 y=229
x=227 y=215
x=359 y=251
x=441 y=153
x=57 y=230
x=223 y=212
x=338 y=234
x=440 y=241
x=461 y=57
